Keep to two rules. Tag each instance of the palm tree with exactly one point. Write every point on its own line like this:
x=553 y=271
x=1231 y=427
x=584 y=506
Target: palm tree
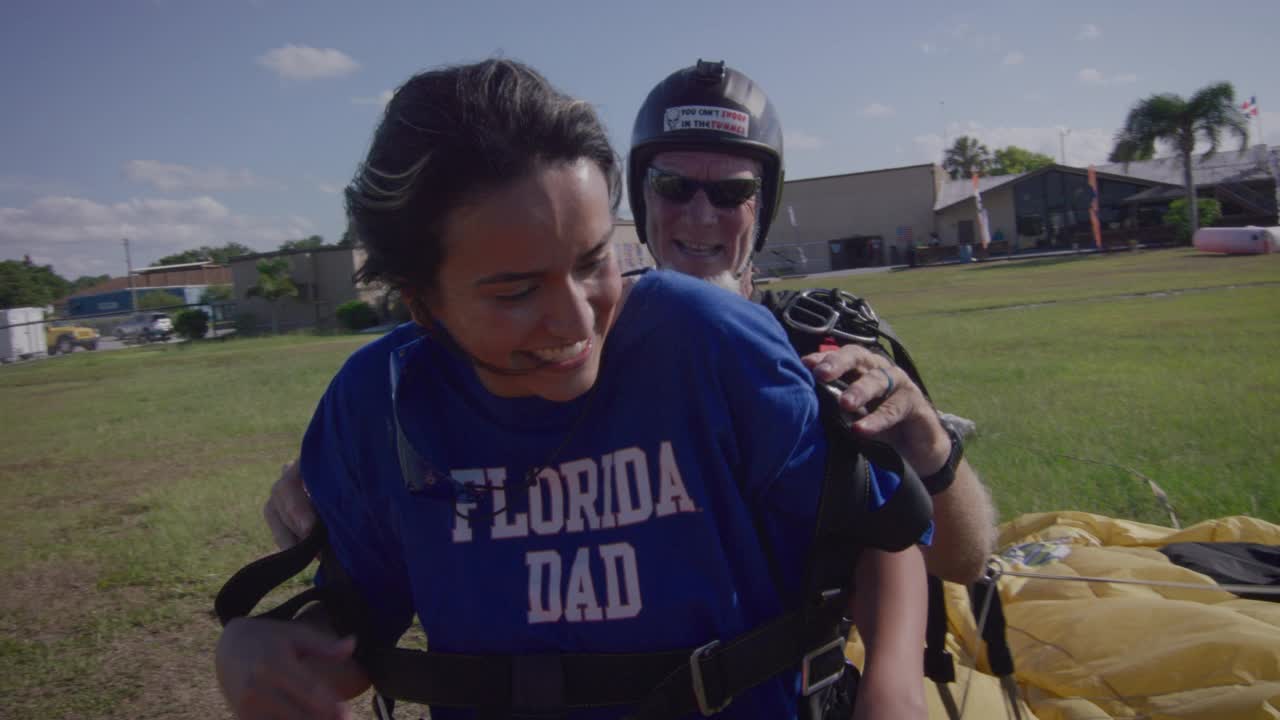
x=1169 y=119
x=274 y=283
x=966 y=157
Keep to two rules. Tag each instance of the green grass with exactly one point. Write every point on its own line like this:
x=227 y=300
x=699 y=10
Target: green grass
x=1166 y=363
x=131 y=481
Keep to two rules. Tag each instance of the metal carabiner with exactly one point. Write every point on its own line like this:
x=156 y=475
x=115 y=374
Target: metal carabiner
x=832 y=313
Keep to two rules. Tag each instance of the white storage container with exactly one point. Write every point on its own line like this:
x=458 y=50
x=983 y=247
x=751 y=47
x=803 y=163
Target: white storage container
x=1250 y=240
x=22 y=334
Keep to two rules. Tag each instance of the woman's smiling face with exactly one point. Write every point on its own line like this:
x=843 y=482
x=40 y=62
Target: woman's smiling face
x=529 y=286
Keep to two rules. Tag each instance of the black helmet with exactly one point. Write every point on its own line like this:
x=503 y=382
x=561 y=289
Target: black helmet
x=711 y=108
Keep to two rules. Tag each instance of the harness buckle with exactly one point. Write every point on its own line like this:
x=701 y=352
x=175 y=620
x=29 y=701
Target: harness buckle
x=812 y=680
x=699 y=686
x=833 y=313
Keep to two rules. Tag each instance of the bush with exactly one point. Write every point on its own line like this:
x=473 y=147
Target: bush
x=357 y=315
x=158 y=300
x=1179 y=217
x=191 y=324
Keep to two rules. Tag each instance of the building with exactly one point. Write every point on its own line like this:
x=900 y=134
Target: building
x=892 y=216
x=186 y=283
x=853 y=220
x=1045 y=209
x=632 y=254
x=325 y=278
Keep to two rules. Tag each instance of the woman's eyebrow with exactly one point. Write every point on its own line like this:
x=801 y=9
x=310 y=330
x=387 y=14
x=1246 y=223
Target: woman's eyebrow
x=508 y=277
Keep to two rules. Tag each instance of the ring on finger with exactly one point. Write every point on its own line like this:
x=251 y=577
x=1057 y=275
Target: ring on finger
x=888 y=378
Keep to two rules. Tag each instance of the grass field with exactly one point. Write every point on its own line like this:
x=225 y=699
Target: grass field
x=131 y=482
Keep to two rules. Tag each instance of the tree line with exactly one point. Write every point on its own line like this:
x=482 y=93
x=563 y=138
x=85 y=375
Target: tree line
x=1165 y=119
x=222 y=254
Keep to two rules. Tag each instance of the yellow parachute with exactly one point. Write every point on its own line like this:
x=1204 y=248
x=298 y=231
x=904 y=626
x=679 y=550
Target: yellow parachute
x=1158 y=642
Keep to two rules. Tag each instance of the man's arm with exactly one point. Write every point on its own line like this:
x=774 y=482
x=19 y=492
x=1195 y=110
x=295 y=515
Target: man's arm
x=288 y=511
x=963 y=510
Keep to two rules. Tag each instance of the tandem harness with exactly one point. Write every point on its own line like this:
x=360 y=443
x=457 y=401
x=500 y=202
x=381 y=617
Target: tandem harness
x=658 y=685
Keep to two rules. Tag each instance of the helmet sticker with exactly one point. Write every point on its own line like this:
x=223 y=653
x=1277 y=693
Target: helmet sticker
x=706 y=117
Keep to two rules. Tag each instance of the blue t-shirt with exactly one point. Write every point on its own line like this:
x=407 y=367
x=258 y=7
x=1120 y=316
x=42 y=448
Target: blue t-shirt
x=673 y=504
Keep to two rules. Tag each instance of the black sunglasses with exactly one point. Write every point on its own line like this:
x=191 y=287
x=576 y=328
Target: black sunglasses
x=724 y=194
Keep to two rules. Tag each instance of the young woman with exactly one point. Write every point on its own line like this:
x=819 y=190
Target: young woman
x=507 y=469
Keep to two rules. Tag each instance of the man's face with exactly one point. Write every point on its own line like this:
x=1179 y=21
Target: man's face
x=696 y=237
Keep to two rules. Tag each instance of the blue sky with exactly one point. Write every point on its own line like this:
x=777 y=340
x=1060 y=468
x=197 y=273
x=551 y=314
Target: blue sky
x=179 y=123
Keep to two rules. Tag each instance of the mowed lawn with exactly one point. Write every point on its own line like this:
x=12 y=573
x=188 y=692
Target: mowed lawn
x=131 y=482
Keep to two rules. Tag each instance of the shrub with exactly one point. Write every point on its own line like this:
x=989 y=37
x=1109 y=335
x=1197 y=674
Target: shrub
x=1179 y=217
x=357 y=315
x=191 y=324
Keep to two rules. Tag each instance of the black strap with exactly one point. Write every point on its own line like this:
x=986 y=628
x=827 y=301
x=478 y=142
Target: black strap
x=938 y=663
x=242 y=593
x=748 y=660
x=985 y=593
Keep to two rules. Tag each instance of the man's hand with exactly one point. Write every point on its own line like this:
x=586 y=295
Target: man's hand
x=283 y=669
x=896 y=410
x=288 y=511
x=898 y=413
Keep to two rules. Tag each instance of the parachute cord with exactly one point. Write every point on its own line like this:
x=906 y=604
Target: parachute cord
x=1161 y=495
x=1235 y=588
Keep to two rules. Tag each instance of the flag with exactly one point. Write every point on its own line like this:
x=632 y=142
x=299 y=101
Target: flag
x=984 y=226
x=1250 y=106
x=1093 y=208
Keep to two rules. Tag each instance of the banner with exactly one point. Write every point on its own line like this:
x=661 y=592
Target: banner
x=1093 y=208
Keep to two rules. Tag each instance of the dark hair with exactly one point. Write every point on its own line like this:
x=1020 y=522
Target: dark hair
x=449 y=135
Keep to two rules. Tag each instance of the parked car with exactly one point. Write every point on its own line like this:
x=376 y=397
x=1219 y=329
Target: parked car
x=63 y=337
x=144 y=327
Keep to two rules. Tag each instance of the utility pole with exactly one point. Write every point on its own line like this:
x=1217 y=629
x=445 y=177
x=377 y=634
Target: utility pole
x=942 y=112
x=128 y=262
x=1062 y=142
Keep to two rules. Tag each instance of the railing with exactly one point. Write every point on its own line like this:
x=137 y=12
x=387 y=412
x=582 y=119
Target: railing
x=1249 y=199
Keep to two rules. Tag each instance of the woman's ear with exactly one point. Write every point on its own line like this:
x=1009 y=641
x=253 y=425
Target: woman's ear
x=417 y=304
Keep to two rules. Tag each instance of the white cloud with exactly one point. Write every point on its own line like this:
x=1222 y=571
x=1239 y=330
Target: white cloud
x=877 y=110
x=1013 y=58
x=381 y=99
x=1089 y=32
x=171 y=176
x=1091 y=76
x=80 y=234
x=1083 y=145
x=799 y=140
x=300 y=62
x=928 y=48
x=960 y=30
